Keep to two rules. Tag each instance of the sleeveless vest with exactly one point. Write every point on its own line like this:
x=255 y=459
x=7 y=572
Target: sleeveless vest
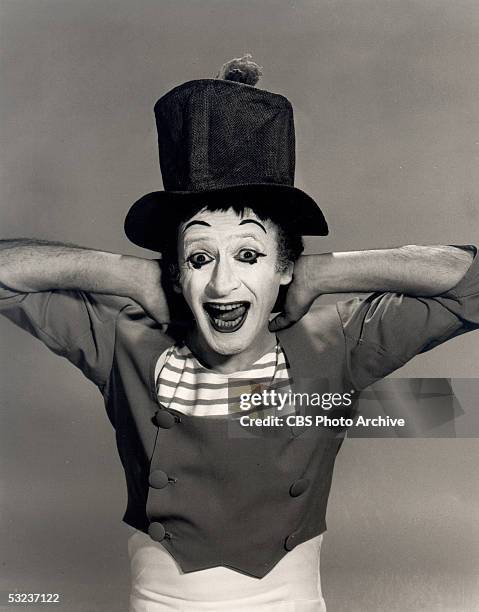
x=213 y=491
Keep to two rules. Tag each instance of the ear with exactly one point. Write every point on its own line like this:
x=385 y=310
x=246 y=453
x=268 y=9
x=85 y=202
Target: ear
x=174 y=275
x=287 y=274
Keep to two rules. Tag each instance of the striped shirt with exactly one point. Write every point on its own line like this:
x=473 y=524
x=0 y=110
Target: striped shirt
x=184 y=384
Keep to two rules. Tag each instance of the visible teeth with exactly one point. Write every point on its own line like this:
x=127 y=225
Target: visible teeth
x=232 y=323
x=226 y=306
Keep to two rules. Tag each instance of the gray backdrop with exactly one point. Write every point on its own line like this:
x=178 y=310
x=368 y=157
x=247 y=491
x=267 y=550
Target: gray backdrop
x=386 y=101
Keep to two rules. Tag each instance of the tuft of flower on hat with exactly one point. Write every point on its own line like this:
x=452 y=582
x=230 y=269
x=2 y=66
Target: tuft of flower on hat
x=241 y=70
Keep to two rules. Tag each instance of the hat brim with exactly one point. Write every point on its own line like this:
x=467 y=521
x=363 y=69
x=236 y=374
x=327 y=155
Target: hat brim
x=149 y=220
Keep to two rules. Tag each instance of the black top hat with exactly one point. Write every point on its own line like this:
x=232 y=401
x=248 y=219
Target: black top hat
x=224 y=142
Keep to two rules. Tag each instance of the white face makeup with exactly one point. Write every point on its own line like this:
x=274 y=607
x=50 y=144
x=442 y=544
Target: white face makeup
x=229 y=278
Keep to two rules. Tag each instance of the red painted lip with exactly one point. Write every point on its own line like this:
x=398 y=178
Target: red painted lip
x=226 y=317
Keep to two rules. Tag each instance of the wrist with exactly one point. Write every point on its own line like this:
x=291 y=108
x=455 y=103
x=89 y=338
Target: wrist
x=319 y=274
x=333 y=273
x=307 y=276
x=147 y=282
x=138 y=276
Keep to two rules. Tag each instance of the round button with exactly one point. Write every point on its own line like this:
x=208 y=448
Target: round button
x=290 y=541
x=156 y=531
x=299 y=487
x=158 y=479
x=164 y=419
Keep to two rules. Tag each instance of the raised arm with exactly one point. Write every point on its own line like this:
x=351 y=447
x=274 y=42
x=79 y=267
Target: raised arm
x=30 y=266
x=412 y=270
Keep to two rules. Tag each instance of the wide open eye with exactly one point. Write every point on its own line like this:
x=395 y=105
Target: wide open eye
x=199 y=259
x=249 y=256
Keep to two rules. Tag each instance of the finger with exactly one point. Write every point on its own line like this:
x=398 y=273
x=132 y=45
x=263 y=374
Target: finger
x=281 y=321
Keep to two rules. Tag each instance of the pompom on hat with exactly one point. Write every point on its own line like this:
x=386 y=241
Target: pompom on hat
x=226 y=142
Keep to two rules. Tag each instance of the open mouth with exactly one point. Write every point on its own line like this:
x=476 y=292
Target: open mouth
x=228 y=317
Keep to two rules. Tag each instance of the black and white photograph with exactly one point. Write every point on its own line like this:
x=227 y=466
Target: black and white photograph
x=239 y=288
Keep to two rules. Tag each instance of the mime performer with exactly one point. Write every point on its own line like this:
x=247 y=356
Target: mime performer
x=226 y=516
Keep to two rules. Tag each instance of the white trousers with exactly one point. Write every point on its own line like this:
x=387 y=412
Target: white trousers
x=159 y=585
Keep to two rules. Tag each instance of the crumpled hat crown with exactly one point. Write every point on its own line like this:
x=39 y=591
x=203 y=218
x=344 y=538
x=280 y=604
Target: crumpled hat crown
x=214 y=134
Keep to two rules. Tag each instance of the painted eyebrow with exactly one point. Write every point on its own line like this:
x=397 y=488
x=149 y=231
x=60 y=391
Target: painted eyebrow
x=195 y=223
x=201 y=238
x=253 y=221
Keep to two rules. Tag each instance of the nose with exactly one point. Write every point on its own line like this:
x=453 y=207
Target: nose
x=223 y=279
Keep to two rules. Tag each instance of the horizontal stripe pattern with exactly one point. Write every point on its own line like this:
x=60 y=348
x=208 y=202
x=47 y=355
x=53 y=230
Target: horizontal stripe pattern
x=187 y=400
x=195 y=370
x=185 y=385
